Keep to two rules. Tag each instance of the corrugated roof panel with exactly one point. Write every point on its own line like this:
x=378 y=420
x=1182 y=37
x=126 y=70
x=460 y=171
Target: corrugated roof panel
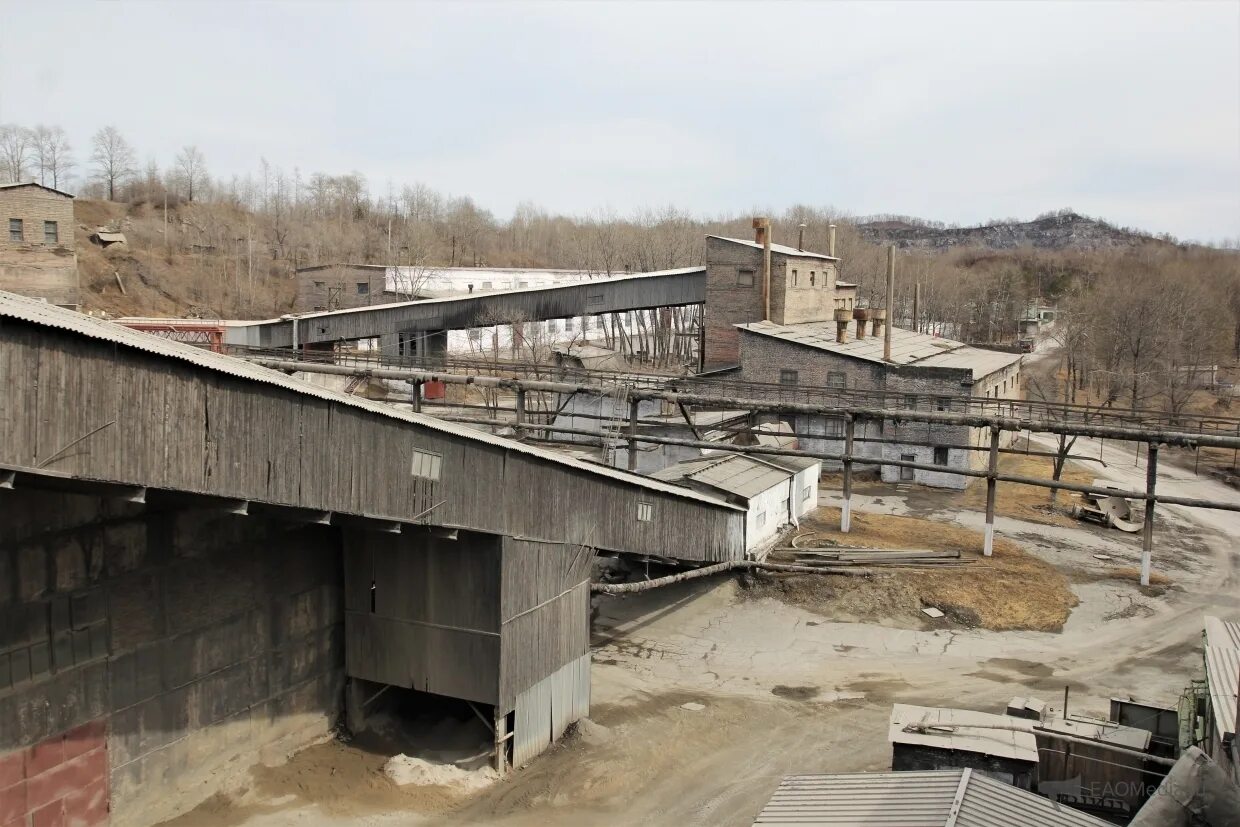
x=1222 y=632
x=906 y=799
x=991 y=803
x=741 y=476
x=28 y=310
x=913 y=799
x=1223 y=675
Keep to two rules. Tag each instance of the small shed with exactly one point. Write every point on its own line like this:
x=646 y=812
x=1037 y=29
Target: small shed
x=775 y=490
x=932 y=738
x=1222 y=657
x=1094 y=777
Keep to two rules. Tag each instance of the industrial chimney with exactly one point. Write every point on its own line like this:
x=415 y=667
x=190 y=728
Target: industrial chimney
x=862 y=315
x=878 y=318
x=891 y=297
x=762 y=235
x=842 y=318
x=831 y=240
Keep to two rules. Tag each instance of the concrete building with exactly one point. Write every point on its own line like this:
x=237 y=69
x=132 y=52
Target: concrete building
x=775 y=491
x=924 y=373
x=198 y=555
x=37 y=257
x=804 y=286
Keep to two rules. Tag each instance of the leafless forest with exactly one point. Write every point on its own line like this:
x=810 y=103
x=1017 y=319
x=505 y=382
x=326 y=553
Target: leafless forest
x=1136 y=319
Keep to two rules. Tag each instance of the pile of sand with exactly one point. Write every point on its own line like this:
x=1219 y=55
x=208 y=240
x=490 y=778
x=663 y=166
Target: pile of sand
x=405 y=769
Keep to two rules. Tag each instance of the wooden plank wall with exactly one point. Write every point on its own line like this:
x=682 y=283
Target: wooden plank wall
x=87 y=408
x=435 y=622
x=545 y=607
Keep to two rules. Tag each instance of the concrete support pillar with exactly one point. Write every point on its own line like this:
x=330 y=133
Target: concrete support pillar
x=354 y=706
x=846 y=511
x=501 y=743
x=1147 y=533
x=992 y=468
x=416 y=395
x=520 y=415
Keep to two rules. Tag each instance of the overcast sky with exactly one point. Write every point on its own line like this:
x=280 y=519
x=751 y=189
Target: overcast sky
x=954 y=112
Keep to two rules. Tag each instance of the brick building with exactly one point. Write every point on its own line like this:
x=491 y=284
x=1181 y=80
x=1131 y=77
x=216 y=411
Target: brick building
x=37 y=257
x=804 y=287
x=925 y=373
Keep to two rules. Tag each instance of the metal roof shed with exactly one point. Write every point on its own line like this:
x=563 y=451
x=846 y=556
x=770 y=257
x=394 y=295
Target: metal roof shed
x=949 y=798
x=931 y=738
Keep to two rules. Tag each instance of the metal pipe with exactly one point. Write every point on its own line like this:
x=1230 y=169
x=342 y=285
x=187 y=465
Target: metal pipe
x=916 y=305
x=766 y=270
x=831 y=240
x=846 y=511
x=891 y=292
x=633 y=434
x=720 y=568
x=1147 y=531
x=1175 y=438
x=988 y=545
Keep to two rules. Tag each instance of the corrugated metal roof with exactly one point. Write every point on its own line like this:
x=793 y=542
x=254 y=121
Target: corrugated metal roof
x=35 y=312
x=1223 y=675
x=913 y=799
x=964 y=729
x=741 y=476
x=1105 y=731
x=1222 y=632
x=908 y=347
x=493 y=293
x=782 y=249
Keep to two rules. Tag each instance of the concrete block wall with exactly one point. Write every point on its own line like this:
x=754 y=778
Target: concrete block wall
x=200 y=643
x=335 y=288
x=727 y=303
x=33 y=266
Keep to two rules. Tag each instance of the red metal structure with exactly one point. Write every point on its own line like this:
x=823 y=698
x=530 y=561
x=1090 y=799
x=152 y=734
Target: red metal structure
x=198 y=332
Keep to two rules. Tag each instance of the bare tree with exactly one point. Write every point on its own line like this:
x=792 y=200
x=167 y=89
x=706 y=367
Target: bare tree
x=53 y=155
x=191 y=170
x=16 y=146
x=113 y=158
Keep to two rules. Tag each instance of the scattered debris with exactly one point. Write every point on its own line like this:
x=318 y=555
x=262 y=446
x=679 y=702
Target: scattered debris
x=693 y=706
x=1112 y=512
x=1103 y=557
x=930 y=611
x=404 y=770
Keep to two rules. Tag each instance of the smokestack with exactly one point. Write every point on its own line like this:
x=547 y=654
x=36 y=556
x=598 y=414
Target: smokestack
x=862 y=315
x=878 y=318
x=801 y=238
x=762 y=227
x=842 y=318
x=891 y=297
x=916 y=305
x=831 y=240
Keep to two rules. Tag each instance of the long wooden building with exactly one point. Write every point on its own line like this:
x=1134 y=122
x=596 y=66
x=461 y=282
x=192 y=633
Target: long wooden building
x=196 y=555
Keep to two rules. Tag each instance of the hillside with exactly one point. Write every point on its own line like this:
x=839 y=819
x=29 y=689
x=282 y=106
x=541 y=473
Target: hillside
x=1057 y=231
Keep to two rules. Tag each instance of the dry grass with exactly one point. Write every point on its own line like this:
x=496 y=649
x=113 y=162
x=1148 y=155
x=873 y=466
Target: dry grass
x=1026 y=502
x=1012 y=590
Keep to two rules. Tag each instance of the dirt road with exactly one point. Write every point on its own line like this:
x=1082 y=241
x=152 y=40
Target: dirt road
x=784 y=690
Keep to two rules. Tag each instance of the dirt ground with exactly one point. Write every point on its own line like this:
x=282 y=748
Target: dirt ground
x=1011 y=590
x=793 y=687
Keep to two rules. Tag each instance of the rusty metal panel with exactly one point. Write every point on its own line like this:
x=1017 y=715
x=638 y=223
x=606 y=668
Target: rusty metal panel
x=570 y=695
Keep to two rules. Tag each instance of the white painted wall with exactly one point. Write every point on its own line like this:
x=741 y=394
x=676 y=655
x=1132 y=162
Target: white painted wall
x=768 y=513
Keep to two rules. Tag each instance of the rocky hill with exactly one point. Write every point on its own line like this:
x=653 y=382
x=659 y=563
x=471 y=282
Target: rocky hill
x=1058 y=231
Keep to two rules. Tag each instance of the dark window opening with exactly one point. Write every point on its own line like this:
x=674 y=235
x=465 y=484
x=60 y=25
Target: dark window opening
x=788 y=377
x=744 y=278
x=15 y=229
x=836 y=379
x=940 y=455
x=51 y=232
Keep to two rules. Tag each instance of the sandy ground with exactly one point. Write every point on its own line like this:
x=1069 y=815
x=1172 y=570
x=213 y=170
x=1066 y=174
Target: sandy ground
x=785 y=689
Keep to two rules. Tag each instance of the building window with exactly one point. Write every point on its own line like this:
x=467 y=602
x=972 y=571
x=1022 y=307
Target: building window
x=836 y=379
x=787 y=377
x=568 y=325
x=811 y=278
x=645 y=512
x=910 y=402
x=794 y=278
x=15 y=229
x=320 y=284
x=835 y=426
x=426 y=464
x=850 y=302
x=1004 y=386
x=585 y=323
x=806 y=492
x=594 y=299
x=744 y=278
x=553 y=326
x=363 y=288
x=940 y=455
x=486 y=285
x=760 y=520
x=523 y=284
x=51 y=232
x=942 y=403
x=475 y=335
